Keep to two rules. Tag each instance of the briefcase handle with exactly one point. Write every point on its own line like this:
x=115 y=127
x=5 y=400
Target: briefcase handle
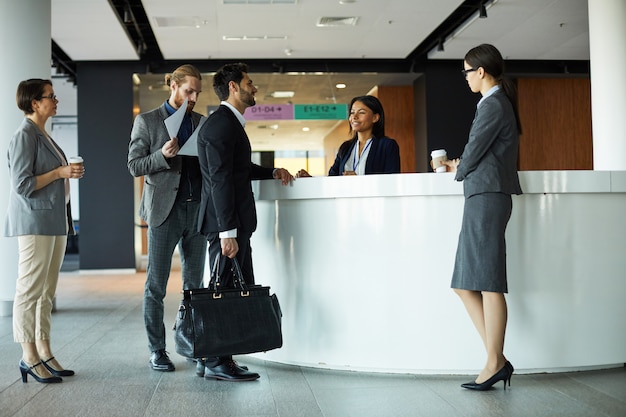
x=238 y=282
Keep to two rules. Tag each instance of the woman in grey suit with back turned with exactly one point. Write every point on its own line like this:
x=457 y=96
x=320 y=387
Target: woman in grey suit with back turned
x=39 y=215
x=488 y=169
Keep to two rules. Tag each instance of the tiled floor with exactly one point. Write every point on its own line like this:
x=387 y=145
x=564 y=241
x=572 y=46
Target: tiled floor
x=98 y=331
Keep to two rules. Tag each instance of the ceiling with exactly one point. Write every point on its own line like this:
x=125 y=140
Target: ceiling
x=288 y=31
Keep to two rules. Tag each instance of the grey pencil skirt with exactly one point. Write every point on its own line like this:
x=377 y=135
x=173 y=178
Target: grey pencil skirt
x=480 y=263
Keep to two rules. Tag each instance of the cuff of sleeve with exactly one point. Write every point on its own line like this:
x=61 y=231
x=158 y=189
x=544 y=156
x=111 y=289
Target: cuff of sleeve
x=228 y=233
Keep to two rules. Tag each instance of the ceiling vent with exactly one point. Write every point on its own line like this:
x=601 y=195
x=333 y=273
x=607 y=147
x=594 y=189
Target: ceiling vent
x=337 y=21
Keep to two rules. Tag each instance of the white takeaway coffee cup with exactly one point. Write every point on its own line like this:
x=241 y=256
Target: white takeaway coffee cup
x=76 y=160
x=438 y=156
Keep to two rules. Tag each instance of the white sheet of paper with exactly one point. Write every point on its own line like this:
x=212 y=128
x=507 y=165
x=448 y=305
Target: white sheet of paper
x=191 y=145
x=173 y=122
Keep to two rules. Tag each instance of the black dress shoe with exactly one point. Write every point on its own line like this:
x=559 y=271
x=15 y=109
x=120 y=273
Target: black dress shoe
x=503 y=374
x=159 y=361
x=229 y=371
x=200 y=364
x=200 y=367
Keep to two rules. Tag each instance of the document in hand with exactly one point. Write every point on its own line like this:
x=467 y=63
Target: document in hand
x=173 y=122
x=190 y=147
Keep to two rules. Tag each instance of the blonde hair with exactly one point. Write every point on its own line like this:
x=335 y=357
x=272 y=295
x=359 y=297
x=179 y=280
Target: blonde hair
x=179 y=74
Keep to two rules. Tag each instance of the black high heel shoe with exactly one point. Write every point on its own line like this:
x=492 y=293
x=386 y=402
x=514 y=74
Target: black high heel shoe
x=26 y=370
x=503 y=374
x=509 y=365
x=64 y=372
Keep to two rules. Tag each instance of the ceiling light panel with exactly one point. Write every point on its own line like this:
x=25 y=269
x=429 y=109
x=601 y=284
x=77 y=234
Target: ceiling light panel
x=260 y=1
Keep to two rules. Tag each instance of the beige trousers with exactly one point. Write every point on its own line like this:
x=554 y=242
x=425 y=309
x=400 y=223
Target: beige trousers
x=40 y=259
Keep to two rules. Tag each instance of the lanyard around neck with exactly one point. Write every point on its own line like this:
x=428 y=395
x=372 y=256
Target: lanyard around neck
x=355 y=162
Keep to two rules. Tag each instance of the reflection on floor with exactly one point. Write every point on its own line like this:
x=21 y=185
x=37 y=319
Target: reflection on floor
x=98 y=331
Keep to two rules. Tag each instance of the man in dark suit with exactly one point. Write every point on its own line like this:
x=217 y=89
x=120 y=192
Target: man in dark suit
x=169 y=202
x=227 y=212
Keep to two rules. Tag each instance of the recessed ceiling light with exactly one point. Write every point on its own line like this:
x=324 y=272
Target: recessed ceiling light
x=340 y=85
x=282 y=94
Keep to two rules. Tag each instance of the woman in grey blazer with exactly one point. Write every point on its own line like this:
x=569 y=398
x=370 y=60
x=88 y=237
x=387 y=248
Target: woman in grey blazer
x=39 y=215
x=488 y=169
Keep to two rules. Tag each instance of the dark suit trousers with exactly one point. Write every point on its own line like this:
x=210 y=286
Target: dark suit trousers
x=180 y=228
x=244 y=257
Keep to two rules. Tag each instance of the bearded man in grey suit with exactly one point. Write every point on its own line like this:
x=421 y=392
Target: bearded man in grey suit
x=228 y=213
x=169 y=203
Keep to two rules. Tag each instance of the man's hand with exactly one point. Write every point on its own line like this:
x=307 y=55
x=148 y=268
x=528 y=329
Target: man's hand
x=230 y=247
x=170 y=148
x=283 y=175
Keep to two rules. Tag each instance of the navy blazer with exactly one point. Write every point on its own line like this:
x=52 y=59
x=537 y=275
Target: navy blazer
x=489 y=160
x=224 y=153
x=383 y=157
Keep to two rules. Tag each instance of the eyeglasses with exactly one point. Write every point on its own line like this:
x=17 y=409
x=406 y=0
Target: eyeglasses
x=467 y=71
x=51 y=97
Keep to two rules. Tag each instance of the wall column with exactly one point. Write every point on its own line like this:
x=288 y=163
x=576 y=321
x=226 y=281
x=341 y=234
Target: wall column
x=607 y=31
x=25 y=49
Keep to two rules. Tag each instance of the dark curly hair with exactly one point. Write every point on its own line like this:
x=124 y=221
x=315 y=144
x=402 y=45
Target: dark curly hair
x=226 y=74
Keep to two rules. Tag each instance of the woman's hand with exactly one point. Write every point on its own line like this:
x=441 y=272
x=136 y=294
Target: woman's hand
x=71 y=171
x=451 y=164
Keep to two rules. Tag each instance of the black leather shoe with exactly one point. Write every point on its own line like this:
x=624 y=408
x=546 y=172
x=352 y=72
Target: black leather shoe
x=200 y=367
x=200 y=364
x=159 y=361
x=229 y=371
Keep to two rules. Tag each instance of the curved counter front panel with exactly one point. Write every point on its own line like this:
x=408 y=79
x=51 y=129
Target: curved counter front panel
x=362 y=268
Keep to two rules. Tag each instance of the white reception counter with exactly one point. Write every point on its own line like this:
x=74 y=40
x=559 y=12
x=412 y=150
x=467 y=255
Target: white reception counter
x=362 y=268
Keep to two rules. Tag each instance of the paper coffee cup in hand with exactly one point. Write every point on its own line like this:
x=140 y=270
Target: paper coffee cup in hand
x=76 y=160
x=438 y=156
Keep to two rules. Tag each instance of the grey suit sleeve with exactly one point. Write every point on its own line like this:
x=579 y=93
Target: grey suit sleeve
x=22 y=152
x=144 y=150
x=485 y=129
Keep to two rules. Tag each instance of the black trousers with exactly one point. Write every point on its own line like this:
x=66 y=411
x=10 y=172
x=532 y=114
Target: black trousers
x=244 y=258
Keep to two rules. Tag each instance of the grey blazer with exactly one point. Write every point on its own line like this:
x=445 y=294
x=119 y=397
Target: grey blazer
x=489 y=160
x=35 y=212
x=161 y=175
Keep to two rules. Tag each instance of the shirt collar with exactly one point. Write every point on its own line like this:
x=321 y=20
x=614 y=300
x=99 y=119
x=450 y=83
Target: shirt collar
x=170 y=110
x=236 y=112
x=490 y=92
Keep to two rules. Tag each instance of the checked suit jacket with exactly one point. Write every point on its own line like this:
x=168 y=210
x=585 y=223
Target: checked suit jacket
x=161 y=175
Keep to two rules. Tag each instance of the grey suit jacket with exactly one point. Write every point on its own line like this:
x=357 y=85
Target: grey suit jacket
x=161 y=175
x=35 y=212
x=489 y=160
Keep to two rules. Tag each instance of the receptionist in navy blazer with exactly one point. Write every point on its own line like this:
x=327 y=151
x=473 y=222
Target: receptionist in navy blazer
x=369 y=151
